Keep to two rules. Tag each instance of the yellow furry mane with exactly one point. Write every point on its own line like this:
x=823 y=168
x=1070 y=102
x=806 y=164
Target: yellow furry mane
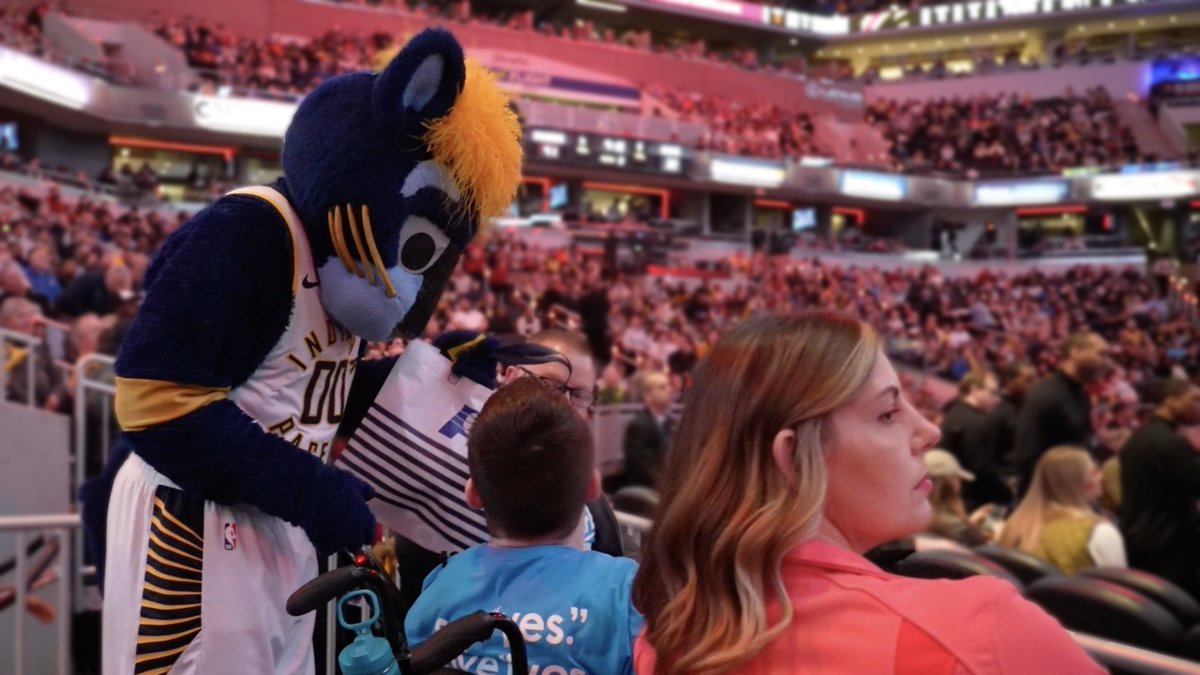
x=479 y=143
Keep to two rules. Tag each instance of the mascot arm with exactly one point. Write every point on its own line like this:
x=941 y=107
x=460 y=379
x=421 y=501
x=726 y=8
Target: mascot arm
x=218 y=298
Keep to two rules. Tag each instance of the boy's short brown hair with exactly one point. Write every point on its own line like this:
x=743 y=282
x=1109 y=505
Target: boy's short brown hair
x=530 y=456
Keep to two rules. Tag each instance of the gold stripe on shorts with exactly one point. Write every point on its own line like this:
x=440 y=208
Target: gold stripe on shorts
x=170 y=613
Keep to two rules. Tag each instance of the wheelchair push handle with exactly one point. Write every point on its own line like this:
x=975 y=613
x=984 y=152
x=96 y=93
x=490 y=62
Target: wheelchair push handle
x=364 y=574
x=333 y=584
x=453 y=639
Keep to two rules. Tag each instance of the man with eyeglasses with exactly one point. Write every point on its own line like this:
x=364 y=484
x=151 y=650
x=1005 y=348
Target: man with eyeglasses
x=578 y=383
x=575 y=379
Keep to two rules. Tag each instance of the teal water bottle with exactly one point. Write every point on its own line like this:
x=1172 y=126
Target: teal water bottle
x=369 y=654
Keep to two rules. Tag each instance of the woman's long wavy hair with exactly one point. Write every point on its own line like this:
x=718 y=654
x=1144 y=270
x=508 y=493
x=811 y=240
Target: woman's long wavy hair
x=728 y=514
x=1057 y=490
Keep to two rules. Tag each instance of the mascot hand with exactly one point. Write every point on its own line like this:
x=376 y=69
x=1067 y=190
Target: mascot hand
x=343 y=519
x=471 y=354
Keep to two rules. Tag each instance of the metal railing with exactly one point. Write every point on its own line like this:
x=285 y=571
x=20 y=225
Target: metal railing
x=20 y=526
x=633 y=532
x=1127 y=657
x=102 y=392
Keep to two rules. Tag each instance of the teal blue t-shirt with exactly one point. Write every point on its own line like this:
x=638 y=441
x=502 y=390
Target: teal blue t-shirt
x=573 y=607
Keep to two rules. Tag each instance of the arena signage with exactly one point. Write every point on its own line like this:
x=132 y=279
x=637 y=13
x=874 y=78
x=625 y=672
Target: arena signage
x=1177 y=93
x=242 y=115
x=897 y=17
x=1162 y=185
x=1020 y=194
x=616 y=152
x=747 y=172
x=777 y=17
x=872 y=185
x=834 y=93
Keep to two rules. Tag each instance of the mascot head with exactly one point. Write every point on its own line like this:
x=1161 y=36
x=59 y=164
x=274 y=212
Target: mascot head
x=392 y=175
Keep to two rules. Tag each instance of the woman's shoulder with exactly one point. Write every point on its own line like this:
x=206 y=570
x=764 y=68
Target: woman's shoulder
x=984 y=620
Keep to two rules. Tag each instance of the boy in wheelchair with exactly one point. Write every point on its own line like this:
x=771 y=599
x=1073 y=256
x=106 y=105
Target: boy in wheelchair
x=532 y=468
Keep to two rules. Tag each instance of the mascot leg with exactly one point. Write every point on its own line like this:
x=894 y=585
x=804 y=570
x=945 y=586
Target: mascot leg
x=157 y=621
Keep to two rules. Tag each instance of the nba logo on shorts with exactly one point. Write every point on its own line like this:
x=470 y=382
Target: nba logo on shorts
x=230 y=536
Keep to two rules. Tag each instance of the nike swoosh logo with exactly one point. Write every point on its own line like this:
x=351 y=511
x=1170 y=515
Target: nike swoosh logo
x=309 y=284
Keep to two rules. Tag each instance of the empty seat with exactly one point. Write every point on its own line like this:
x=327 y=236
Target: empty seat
x=637 y=500
x=1104 y=609
x=1025 y=566
x=1191 y=644
x=1174 y=599
x=952 y=565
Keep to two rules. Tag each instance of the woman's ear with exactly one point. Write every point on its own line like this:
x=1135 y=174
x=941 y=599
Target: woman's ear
x=783 y=450
x=472 y=495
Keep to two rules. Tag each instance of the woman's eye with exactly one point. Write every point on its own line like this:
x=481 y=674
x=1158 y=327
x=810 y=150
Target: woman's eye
x=889 y=416
x=421 y=244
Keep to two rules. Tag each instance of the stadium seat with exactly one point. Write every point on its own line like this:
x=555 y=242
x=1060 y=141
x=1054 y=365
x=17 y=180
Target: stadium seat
x=1107 y=610
x=1025 y=566
x=953 y=565
x=1174 y=599
x=636 y=500
x=1191 y=644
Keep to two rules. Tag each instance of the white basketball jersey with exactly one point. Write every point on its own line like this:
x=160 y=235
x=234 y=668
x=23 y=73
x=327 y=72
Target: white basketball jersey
x=299 y=391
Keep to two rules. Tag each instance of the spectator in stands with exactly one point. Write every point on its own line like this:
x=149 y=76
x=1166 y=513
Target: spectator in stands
x=611 y=388
x=966 y=434
x=1056 y=519
x=1005 y=133
x=1057 y=410
x=1160 y=484
x=99 y=292
x=950 y=519
x=649 y=432
x=41 y=273
x=1015 y=378
x=22 y=316
x=755 y=563
x=14 y=283
x=532 y=467
x=467 y=316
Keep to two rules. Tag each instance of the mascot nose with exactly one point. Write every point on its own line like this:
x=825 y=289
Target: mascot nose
x=374 y=272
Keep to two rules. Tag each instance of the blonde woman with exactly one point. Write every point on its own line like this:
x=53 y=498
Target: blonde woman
x=796 y=453
x=1055 y=520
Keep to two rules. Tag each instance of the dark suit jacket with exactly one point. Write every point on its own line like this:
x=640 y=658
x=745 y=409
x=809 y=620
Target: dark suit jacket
x=1056 y=411
x=645 y=445
x=1160 y=483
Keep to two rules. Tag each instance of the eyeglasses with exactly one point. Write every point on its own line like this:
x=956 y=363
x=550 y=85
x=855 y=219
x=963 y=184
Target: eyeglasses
x=583 y=399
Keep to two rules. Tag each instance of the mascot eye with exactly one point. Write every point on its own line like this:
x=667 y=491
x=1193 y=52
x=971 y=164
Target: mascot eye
x=421 y=244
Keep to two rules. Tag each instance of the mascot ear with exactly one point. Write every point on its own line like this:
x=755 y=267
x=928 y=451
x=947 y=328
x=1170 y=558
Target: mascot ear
x=420 y=84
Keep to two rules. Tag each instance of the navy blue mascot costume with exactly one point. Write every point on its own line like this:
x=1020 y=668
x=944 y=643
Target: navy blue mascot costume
x=240 y=364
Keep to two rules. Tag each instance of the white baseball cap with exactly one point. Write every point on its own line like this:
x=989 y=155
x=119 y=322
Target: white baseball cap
x=942 y=464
